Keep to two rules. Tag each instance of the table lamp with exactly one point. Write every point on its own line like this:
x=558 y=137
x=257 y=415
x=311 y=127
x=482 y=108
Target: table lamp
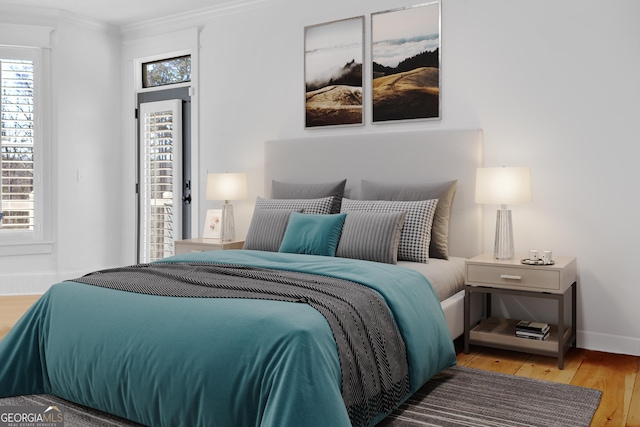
x=227 y=186
x=503 y=186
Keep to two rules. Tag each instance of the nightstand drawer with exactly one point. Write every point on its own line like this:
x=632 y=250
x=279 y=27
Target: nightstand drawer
x=204 y=245
x=185 y=249
x=538 y=278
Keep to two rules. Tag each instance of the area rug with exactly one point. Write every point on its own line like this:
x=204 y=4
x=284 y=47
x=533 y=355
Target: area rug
x=467 y=397
x=457 y=397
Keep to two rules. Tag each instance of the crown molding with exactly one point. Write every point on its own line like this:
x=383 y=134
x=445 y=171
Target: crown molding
x=50 y=16
x=26 y=35
x=189 y=18
x=88 y=23
x=30 y=15
x=18 y=14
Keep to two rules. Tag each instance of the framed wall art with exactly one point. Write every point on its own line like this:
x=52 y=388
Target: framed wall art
x=405 y=51
x=212 y=224
x=333 y=57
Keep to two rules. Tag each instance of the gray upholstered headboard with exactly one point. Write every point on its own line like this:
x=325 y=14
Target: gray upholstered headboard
x=394 y=157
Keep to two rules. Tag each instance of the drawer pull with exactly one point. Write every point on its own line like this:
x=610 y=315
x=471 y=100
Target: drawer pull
x=510 y=277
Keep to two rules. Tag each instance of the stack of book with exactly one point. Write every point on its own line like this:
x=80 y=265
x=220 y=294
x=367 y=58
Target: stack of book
x=532 y=330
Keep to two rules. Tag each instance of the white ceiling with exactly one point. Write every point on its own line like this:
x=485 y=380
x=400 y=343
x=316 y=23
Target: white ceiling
x=122 y=12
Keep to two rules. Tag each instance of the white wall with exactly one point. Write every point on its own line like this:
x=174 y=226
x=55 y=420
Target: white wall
x=86 y=137
x=552 y=84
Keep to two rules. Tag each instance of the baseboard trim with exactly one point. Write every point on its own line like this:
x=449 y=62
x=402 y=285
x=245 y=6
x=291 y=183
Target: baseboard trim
x=36 y=283
x=608 y=343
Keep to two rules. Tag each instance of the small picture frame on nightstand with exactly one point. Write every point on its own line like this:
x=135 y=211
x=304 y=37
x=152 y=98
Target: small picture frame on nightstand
x=212 y=224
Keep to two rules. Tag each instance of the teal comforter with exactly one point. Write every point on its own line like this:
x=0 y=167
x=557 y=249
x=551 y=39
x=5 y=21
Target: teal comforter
x=165 y=361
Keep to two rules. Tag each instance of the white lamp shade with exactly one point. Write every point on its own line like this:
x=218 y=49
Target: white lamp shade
x=226 y=186
x=503 y=185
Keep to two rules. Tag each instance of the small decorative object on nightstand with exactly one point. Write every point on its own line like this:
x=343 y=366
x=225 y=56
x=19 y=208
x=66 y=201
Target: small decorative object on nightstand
x=203 y=245
x=486 y=275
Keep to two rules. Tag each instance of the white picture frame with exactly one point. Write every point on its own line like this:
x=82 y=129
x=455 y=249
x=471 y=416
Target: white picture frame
x=212 y=224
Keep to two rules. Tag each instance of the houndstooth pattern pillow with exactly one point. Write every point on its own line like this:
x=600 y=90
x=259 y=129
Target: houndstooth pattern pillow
x=309 y=206
x=416 y=232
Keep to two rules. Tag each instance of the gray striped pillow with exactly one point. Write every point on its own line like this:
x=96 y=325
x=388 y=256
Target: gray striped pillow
x=371 y=236
x=416 y=232
x=267 y=229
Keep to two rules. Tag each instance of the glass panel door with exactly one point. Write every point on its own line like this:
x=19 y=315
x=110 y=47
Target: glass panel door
x=160 y=178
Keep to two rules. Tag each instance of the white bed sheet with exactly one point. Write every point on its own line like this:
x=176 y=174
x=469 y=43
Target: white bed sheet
x=447 y=279
x=446 y=276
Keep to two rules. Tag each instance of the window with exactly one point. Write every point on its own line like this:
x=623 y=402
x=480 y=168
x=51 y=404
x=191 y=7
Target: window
x=17 y=146
x=166 y=71
x=24 y=155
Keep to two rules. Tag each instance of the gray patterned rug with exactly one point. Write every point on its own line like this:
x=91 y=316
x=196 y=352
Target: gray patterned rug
x=461 y=396
x=457 y=397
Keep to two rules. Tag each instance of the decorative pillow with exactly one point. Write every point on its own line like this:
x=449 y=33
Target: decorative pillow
x=312 y=234
x=371 y=236
x=286 y=190
x=416 y=232
x=309 y=206
x=267 y=229
x=444 y=192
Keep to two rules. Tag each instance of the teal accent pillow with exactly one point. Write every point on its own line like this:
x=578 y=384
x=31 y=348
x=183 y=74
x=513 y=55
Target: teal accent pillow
x=312 y=234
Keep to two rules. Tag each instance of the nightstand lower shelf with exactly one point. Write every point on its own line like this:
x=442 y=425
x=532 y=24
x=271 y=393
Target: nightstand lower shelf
x=499 y=332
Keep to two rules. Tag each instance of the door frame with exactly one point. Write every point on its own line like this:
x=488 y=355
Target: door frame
x=136 y=51
x=188 y=37
x=189 y=162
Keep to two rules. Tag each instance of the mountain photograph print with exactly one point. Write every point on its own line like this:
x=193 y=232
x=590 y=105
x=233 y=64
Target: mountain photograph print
x=333 y=55
x=405 y=49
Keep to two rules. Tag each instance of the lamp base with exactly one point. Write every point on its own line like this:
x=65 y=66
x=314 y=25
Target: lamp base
x=503 y=248
x=228 y=230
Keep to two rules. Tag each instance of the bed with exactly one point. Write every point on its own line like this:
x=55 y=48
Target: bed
x=409 y=157
x=249 y=337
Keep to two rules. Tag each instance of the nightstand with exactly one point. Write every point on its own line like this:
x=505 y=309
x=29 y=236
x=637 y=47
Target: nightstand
x=487 y=275
x=203 y=245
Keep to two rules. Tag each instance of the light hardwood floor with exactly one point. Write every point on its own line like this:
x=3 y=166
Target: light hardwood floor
x=12 y=308
x=618 y=376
